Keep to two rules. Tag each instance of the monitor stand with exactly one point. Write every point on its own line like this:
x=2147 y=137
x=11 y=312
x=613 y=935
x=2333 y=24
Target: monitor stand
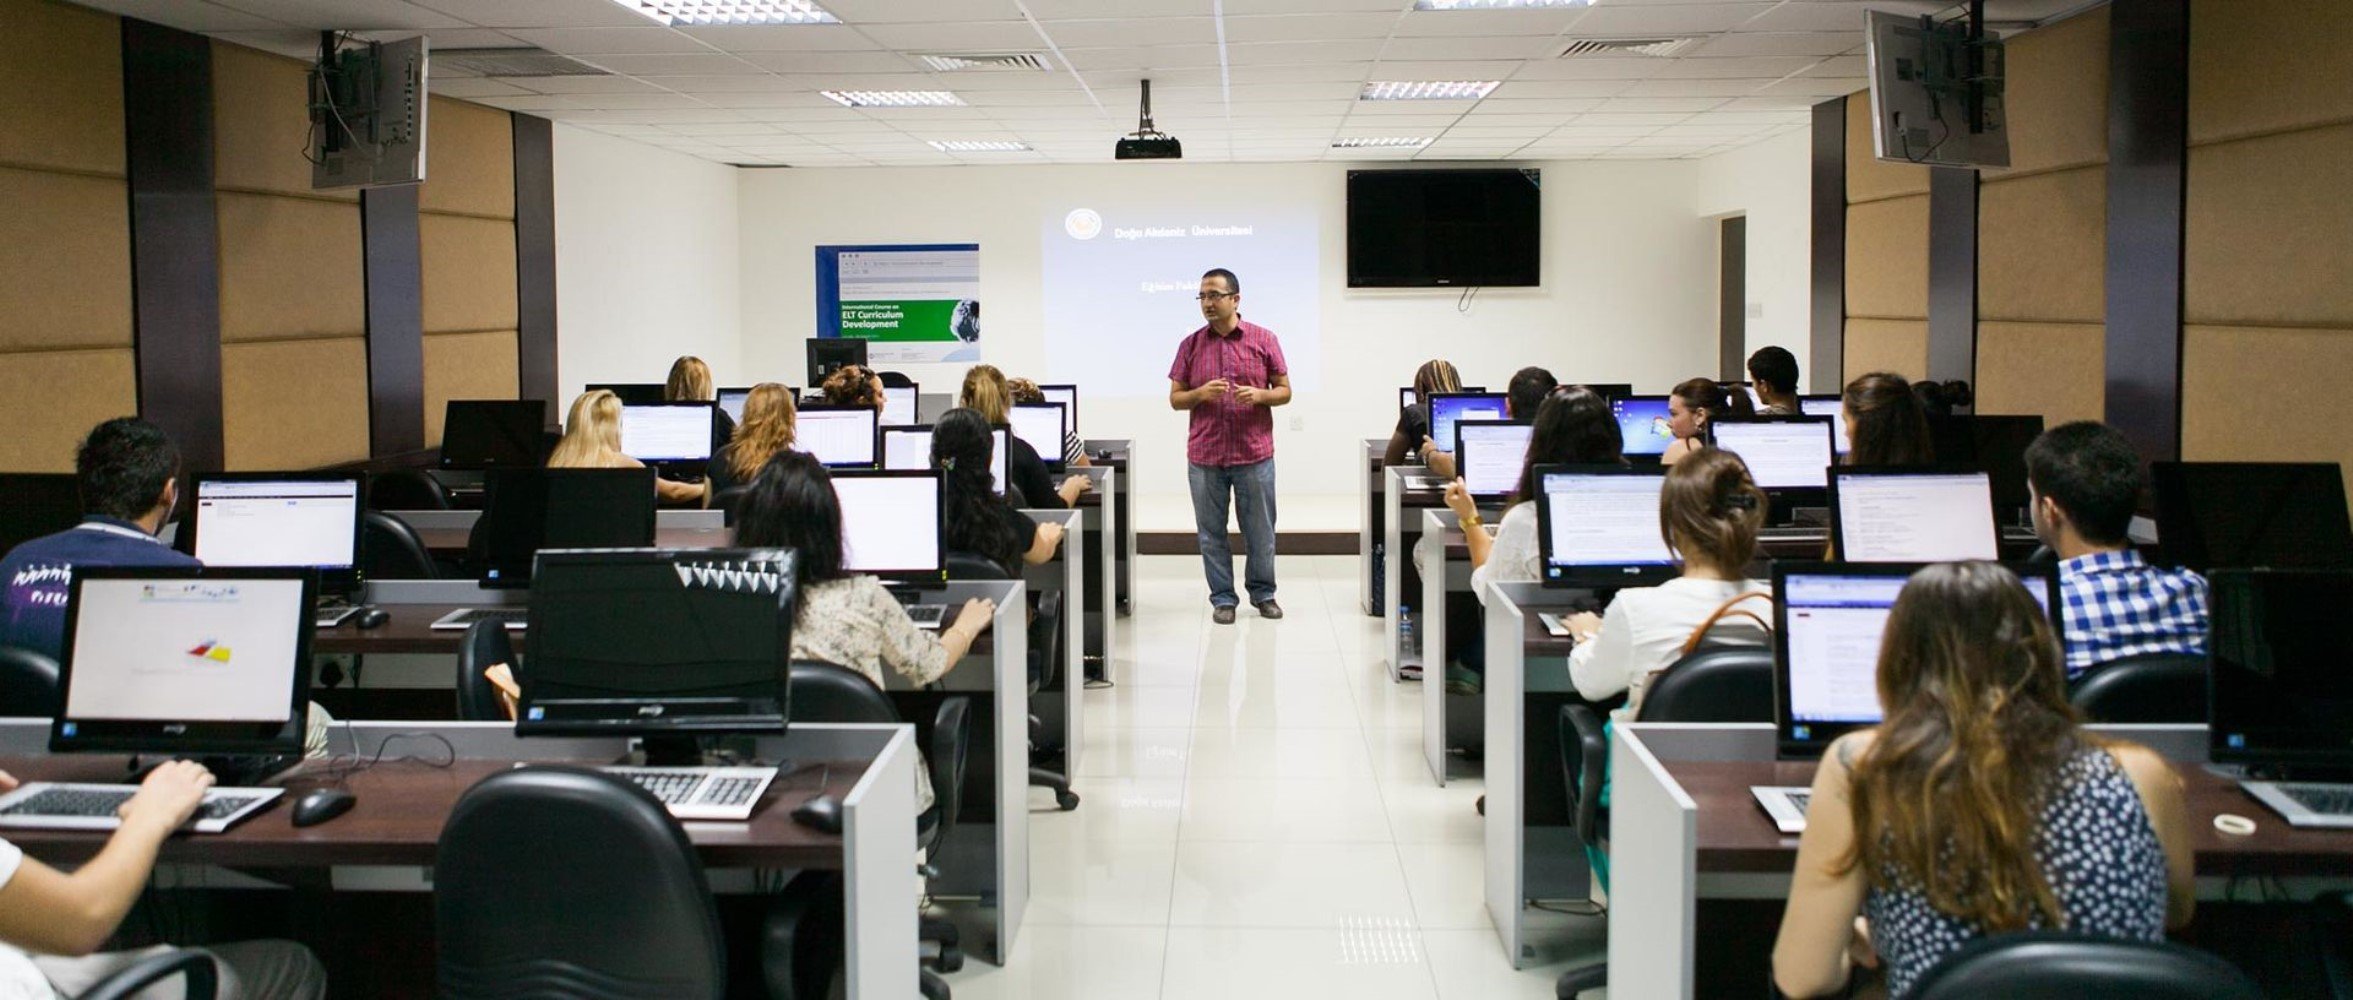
x=695 y=751
x=228 y=770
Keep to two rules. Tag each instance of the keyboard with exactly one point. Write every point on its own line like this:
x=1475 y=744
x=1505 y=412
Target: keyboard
x=2306 y=803
x=43 y=805
x=463 y=618
x=1795 y=533
x=928 y=616
x=1786 y=805
x=331 y=615
x=702 y=792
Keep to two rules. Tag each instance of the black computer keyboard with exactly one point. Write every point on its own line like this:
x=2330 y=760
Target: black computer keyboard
x=84 y=801
x=2328 y=800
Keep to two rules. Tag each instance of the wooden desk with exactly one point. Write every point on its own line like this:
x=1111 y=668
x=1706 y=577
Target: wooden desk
x=451 y=541
x=413 y=614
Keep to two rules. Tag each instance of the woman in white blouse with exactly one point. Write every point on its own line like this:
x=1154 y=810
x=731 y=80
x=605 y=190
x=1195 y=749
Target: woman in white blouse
x=1574 y=426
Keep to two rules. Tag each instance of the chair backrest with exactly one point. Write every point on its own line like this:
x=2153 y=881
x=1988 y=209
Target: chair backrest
x=969 y=566
x=528 y=901
x=895 y=380
x=28 y=683
x=2151 y=687
x=199 y=974
x=1714 y=684
x=829 y=692
x=2043 y=965
x=1584 y=752
x=729 y=502
x=485 y=644
x=394 y=551
x=1045 y=638
x=945 y=757
x=406 y=489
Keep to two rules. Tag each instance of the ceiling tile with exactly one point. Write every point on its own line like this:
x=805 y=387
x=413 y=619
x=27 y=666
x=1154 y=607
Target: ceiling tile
x=1839 y=66
x=1844 y=15
x=535 y=13
x=862 y=12
x=832 y=62
x=1162 y=78
x=781 y=37
x=1133 y=31
x=764 y=105
x=349 y=15
x=1603 y=21
x=579 y=84
x=1307 y=27
x=1540 y=22
x=1694 y=88
x=1352 y=50
x=1660 y=105
x=1754 y=68
x=862 y=81
x=1797 y=103
x=1782 y=43
x=1142 y=57
x=649 y=40
x=734 y=83
x=473 y=88
x=1517 y=88
x=1815 y=87
x=1602 y=119
x=1351 y=72
x=967 y=36
x=706 y=64
x=1471 y=48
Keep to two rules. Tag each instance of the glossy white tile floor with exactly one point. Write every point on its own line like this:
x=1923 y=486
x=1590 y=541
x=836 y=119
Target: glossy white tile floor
x=1258 y=822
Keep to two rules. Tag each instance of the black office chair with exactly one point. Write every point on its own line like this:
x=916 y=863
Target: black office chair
x=968 y=566
x=2048 y=965
x=1045 y=645
x=2148 y=688
x=394 y=551
x=729 y=501
x=28 y=683
x=1584 y=753
x=1713 y=684
x=579 y=924
x=203 y=977
x=486 y=643
x=406 y=489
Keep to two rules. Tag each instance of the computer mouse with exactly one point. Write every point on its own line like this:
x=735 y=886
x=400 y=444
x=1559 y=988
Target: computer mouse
x=372 y=617
x=822 y=814
x=324 y=804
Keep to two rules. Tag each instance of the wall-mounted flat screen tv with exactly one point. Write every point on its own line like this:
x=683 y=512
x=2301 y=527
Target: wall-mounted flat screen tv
x=1443 y=228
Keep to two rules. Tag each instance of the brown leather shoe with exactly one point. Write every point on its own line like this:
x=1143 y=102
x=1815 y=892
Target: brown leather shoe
x=1224 y=615
x=1269 y=609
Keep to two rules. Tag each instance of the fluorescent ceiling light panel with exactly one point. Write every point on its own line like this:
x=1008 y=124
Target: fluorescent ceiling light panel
x=979 y=146
x=1495 y=4
x=1428 y=90
x=702 y=12
x=1380 y=142
x=893 y=98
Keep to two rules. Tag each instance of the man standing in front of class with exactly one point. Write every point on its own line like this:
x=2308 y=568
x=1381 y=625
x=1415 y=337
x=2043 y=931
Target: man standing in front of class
x=1230 y=374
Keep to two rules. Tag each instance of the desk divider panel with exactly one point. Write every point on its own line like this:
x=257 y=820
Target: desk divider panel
x=878 y=873
x=1068 y=575
x=1506 y=765
x=1654 y=829
x=1439 y=576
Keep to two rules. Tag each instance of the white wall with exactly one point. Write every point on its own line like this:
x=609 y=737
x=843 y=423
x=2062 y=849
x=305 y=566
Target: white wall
x=1771 y=182
x=646 y=262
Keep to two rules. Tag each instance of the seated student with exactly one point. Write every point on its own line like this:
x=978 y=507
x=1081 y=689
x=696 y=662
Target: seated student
x=767 y=428
x=975 y=518
x=1710 y=512
x=2085 y=480
x=1773 y=371
x=1413 y=422
x=1885 y=424
x=1979 y=806
x=1074 y=452
x=1738 y=404
x=1574 y=426
x=61 y=918
x=592 y=440
x=690 y=382
x=1691 y=407
x=1521 y=399
x=852 y=385
x=1026 y=479
x=845 y=619
x=128 y=474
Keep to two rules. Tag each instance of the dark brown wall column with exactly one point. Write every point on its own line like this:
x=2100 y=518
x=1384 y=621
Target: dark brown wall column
x=396 y=320
x=1828 y=353
x=535 y=261
x=1952 y=274
x=175 y=245
x=1732 y=298
x=2148 y=157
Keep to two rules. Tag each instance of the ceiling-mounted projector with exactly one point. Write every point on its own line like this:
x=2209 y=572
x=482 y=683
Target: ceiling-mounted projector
x=1146 y=142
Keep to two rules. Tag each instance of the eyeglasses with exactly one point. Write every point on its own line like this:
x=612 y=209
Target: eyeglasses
x=1214 y=296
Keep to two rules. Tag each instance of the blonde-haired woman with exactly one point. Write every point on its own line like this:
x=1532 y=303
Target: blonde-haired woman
x=690 y=382
x=769 y=419
x=987 y=393
x=592 y=440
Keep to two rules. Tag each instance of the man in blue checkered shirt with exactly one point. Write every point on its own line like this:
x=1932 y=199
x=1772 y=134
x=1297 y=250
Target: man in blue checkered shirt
x=2086 y=481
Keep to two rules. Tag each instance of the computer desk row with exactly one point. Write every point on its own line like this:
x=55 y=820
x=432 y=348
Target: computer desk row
x=388 y=841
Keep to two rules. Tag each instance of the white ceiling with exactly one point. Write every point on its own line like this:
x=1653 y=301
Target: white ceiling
x=1255 y=80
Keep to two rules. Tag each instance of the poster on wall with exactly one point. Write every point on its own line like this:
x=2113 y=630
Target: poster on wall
x=910 y=303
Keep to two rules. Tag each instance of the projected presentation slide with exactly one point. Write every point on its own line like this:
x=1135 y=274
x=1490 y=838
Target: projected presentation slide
x=185 y=650
x=911 y=303
x=1120 y=281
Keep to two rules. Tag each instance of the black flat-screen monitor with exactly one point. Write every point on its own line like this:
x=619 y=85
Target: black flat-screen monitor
x=828 y=353
x=33 y=504
x=654 y=642
x=1610 y=390
x=1042 y=425
x=634 y=392
x=1066 y=394
x=1448 y=407
x=493 y=433
x=898 y=404
x=891 y=524
x=1488 y=456
x=908 y=449
x=731 y=400
x=843 y=437
x=669 y=432
x=1992 y=442
x=1645 y=423
x=2278 y=691
x=526 y=510
x=1834 y=407
x=1788 y=457
x=310 y=520
x=2284 y=515
x=1444 y=228
x=185 y=660
x=1912 y=514
x=1598 y=526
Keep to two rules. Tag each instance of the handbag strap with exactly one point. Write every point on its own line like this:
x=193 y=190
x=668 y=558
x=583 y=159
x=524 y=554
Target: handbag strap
x=1728 y=609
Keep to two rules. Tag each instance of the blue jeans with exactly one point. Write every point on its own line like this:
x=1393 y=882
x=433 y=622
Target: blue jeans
x=1253 y=488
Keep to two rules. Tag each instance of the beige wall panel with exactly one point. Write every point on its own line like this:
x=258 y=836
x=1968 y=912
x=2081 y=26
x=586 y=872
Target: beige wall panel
x=1868 y=179
x=2042 y=246
x=1884 y=345
x=2269 y=231
x=65 y=261
x=469 y=279
x=2222 y=368
x=290 y=268
x=294 y=404
x=466 y=366
x=469 y=160
x=2265 y=65
x=261 y=122
x=2054 y=369
x=61 y=87
x=2057 y=95
x=44 y=424
x=1887 y=259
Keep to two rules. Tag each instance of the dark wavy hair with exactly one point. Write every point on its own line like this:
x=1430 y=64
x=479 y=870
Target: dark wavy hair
x=962 y=443
x=1573 y=427
x=121 y=468
x=791 y=505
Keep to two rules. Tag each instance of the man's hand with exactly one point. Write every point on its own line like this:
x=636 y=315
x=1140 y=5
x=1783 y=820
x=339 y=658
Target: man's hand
x=1247 y=395
x=1215 y=388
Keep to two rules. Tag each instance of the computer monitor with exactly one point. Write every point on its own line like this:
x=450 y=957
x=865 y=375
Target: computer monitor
x=1042 y=426
x=1066 y=394
x=526 y=510
x=1448 y=407
x=1598 y=526
x=1789 y=457
x=1644 y=422
x=634 y=392
x=2279 y=694
x=898 y=405
x=1488 y=455
x=1406 y=398
x=311 y=520
x=2252 y=514
x=1912 y=515
x=1834 y=407
x=1993 y=443
x=732 y=400
x=839 y=436
x=185 y=660
x=722 y=623
x=1827 y=620
x=493 y=433
x=891 y=524
x=908 y=449
x=668 y=432
x=1611 y=390
x=828 y=353
x=33 y=504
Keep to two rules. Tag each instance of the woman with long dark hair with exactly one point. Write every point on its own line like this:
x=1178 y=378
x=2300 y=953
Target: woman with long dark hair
x=975 y=518
x=1979 y=805
x=1885 y=423
x=1574 y=426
